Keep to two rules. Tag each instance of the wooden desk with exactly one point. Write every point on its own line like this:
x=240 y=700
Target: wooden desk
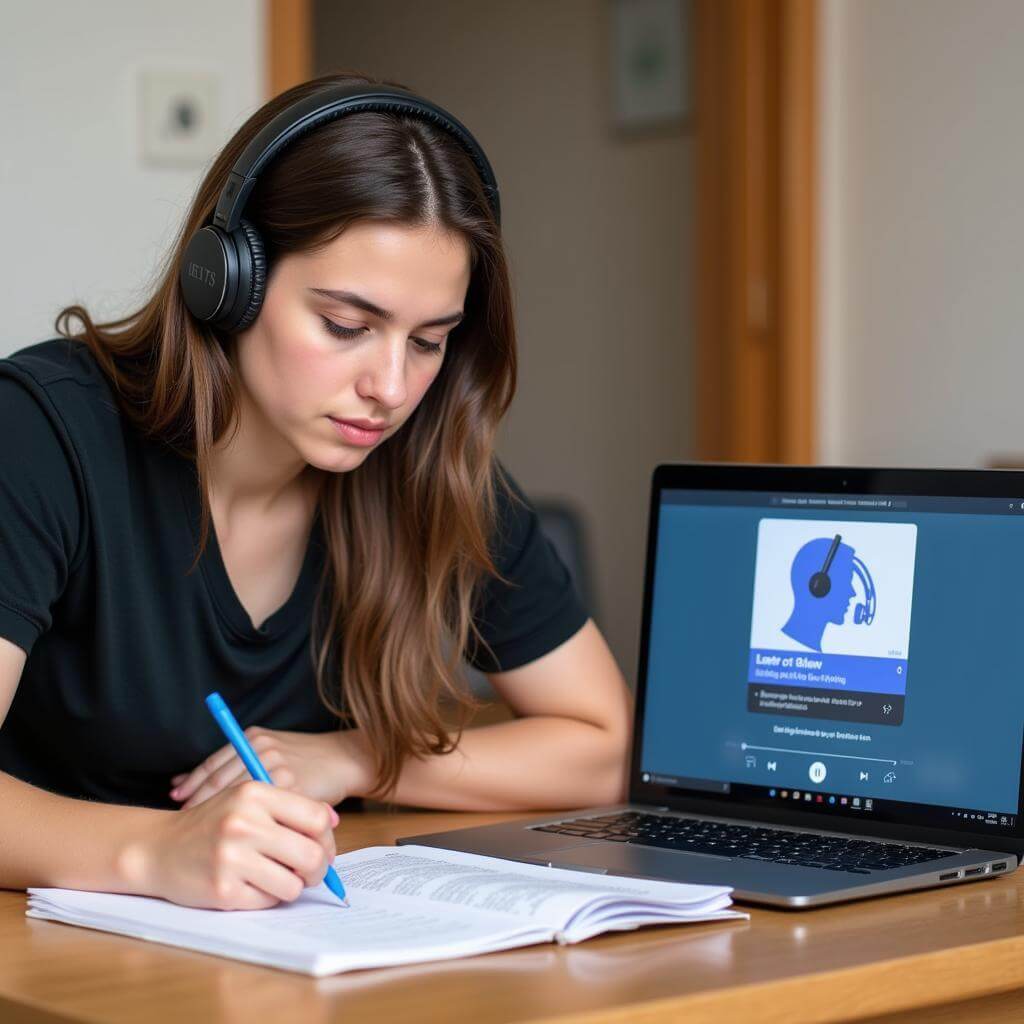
x=853 y=962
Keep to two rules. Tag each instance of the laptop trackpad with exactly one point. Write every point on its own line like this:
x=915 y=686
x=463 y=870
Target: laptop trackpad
x=625 y=858
x=568 y=857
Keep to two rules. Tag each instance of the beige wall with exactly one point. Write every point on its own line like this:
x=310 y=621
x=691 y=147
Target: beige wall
x=923 y=231
x=598 y=233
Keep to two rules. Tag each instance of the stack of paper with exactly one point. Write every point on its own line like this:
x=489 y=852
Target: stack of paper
x=408 y=904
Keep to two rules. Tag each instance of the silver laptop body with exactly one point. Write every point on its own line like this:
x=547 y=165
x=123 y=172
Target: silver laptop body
x=827 y=706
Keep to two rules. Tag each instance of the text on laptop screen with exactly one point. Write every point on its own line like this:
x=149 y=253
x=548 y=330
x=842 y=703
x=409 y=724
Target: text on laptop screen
x=838 y=648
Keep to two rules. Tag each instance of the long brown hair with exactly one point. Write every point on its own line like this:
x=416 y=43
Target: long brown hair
x=409 y=533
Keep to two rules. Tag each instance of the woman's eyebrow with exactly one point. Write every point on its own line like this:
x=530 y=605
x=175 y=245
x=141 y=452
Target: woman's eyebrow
x=357 y=300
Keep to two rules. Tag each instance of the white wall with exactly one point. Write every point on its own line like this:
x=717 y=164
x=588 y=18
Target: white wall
x=83 y=219
x=922 y=248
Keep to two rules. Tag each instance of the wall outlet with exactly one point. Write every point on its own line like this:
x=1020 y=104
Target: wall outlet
x=179 y=117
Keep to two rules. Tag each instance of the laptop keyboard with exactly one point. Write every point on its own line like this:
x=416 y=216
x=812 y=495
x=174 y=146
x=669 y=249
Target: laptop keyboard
x=747 y=842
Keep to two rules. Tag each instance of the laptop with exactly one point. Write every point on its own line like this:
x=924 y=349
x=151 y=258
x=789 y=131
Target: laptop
x=830 y=696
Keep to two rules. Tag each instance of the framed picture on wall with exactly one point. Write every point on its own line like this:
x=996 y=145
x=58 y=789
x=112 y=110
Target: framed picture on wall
x=650 y=47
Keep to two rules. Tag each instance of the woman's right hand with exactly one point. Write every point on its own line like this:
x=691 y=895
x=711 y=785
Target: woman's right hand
x=249 y=847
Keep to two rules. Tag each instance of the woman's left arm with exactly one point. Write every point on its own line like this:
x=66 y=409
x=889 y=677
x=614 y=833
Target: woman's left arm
x=570 y=748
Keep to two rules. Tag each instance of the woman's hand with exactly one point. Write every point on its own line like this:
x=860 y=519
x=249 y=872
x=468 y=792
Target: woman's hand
x=247 y=848
x=319 y=765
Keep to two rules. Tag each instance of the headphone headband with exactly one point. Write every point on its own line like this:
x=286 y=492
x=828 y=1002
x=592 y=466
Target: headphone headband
x=326 y=105
x=224 y=268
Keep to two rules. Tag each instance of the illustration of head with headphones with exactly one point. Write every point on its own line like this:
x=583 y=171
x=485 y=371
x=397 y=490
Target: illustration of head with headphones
x=822 y=578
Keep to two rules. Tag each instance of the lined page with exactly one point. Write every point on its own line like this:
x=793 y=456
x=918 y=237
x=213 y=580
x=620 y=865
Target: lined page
x=553 y=896
x=314 y=934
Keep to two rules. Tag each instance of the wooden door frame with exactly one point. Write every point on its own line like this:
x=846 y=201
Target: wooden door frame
x=756 y=132
x=288 y=49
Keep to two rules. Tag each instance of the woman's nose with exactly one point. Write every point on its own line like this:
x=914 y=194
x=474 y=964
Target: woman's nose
x=383 y=380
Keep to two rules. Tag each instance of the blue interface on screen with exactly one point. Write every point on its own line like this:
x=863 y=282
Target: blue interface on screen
x=866 y=649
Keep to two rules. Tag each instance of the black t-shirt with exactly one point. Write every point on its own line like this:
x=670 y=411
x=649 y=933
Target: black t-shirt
x=98 y=527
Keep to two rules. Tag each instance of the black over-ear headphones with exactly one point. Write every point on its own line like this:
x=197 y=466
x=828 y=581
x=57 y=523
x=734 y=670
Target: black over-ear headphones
x=821 y=583
x=223 y=272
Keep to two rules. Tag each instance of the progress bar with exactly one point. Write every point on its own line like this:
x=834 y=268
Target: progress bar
x=818 y=753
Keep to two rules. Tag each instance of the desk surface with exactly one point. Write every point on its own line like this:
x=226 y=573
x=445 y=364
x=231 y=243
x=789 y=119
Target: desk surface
x=840 y=963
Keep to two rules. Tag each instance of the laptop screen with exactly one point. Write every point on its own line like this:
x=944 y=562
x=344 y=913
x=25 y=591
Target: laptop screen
x=853 y=654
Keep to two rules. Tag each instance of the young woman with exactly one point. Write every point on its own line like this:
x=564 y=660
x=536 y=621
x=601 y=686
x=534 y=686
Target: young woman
x=305 y=514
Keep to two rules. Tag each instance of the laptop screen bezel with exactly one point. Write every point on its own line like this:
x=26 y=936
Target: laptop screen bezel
x=816 y=480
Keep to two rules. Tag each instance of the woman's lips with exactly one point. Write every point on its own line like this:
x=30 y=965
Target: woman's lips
x=356 y=435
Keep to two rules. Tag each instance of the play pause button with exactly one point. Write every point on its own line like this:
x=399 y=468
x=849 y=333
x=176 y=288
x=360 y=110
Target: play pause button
x=817 y=772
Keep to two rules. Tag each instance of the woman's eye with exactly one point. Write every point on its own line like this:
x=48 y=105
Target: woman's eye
x=341 y=332
x=351 y=332
x=428 y=346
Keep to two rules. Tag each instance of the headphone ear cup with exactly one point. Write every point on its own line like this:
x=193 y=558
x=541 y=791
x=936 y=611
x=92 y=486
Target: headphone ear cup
x=205 y=277
x=858 y=614
x=819 y=584
x=250 y=251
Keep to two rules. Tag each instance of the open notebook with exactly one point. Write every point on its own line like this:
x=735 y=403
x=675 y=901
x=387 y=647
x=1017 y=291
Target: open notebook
x=408 y=905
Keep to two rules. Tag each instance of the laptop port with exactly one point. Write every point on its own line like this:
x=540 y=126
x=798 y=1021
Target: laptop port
x=973 y=871
x=1001 y=866
x=948 y=875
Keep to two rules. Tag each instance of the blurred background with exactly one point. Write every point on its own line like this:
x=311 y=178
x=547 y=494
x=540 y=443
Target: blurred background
x=752 y=230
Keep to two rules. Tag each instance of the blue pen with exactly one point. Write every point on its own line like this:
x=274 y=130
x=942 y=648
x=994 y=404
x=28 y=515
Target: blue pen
x=230 y=727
